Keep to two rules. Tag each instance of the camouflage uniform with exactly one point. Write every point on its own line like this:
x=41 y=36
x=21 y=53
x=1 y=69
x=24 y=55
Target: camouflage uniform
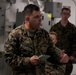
x=64 y=35
x=22 y=44
x=64 y=39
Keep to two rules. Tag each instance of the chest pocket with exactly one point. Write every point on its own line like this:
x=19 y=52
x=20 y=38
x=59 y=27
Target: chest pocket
x=42 y=45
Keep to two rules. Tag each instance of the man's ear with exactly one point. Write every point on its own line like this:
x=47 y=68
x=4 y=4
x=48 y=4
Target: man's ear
x=27 y=18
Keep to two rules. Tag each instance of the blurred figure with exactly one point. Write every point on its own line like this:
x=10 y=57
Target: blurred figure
x=59 y=70
x=54 y=37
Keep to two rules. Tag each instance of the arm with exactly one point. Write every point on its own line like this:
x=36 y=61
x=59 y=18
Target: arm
x=54 y=52
x=13 y=54
x=60 y=55
x=53 y=69
x=73 y=44
x=54 y=66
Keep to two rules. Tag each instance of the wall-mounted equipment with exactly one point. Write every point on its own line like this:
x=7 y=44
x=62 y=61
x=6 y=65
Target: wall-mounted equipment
x=19 y=18
x=46 y=21
x=54 y=8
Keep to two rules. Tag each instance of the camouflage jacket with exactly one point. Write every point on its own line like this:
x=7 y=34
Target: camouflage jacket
x=64 y=36
x=22 y=44
x=53 y=69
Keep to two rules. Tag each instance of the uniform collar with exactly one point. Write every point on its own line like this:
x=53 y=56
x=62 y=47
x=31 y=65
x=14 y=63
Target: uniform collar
x=60 y=25
x=26 y=32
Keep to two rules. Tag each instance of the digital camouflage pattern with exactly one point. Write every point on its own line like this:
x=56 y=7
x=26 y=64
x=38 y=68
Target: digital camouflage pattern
x=64 y=37
x=53 y=69
x=21 y=45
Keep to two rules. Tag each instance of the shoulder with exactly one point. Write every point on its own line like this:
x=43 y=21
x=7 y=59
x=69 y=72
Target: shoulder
x=55 y=27
x=16 y=31
x=43 y=33
x=42 y=30
x=56 y=24
x=72 y=25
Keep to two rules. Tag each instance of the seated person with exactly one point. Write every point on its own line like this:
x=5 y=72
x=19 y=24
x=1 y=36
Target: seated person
x=56 y=69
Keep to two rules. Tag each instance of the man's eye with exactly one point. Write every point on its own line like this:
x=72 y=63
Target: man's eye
x=37 y=16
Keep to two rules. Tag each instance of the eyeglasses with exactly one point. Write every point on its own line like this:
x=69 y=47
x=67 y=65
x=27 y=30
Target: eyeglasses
x=65 y=13
x=38 y=16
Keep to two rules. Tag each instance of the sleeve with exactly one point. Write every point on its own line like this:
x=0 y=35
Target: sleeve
x=73 y=44
x=12 y=53
x=53 y=28
x=53 y=69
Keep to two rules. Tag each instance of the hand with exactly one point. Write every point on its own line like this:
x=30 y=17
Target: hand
x=34 y=60
x=72 y=58
x=62 y=53
x=64 y=57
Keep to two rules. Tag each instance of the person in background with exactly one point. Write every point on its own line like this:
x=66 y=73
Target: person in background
x=54 y=37
x=27 y=42
x=64 y=30
x=59 y=70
